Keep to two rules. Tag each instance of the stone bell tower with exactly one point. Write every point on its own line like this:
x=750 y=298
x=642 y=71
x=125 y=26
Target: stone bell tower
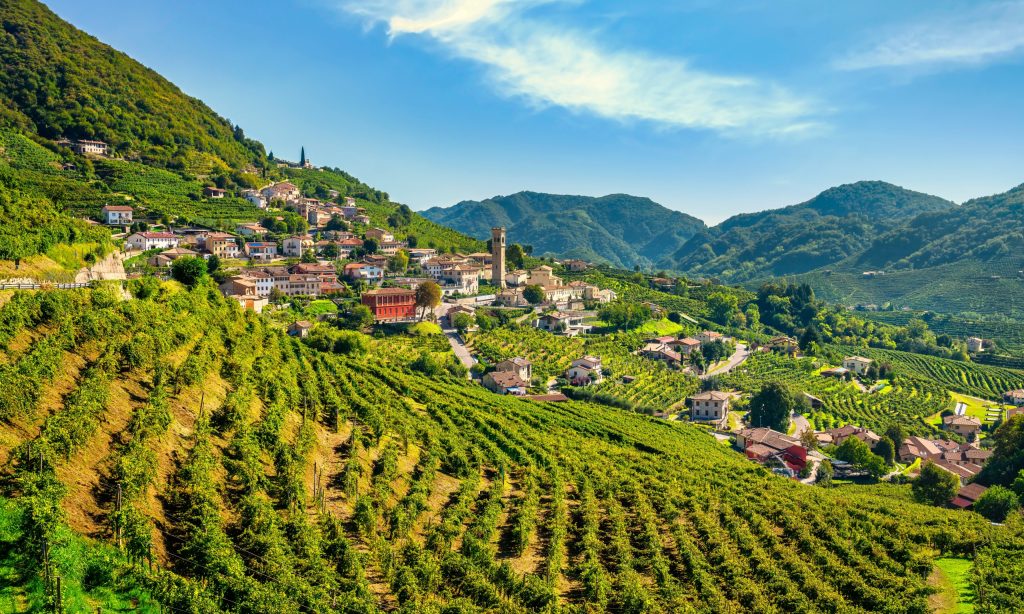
x=498 y=257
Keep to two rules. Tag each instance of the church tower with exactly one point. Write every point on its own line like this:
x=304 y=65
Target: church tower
x=498 y=257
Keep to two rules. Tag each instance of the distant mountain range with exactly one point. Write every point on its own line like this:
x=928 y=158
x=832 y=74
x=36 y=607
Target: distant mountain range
x=618 y=229
x=932 y=253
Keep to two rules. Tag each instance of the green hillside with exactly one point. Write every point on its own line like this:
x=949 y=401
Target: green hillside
x=838 y=223
x=56 y=80
x=618 y=229
x=243 y=470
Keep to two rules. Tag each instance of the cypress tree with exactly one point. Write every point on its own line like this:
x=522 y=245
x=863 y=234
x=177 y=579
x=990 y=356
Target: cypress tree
x=302 y=157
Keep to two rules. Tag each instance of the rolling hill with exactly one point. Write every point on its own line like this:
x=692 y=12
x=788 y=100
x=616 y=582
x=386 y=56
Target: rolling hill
x=834 y=225
x=618 y=229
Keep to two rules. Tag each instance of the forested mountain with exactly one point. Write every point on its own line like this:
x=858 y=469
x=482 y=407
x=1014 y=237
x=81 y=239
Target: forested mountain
x=834 y=225
x=56 y=80
x=619 y=229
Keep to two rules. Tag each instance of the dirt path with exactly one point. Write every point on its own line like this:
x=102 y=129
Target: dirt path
x=741 y=354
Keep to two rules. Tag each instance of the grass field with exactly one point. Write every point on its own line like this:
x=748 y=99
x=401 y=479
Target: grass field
x=953 y=577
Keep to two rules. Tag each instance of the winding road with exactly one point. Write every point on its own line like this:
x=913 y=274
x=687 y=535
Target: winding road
x=741 y=354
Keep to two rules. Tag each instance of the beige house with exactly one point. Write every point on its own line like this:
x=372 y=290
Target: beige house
x=518 y=365
x=585 y=370
x=962 y=425
x=544 y=277
x=975 y=344
x=295 y=246
x=166 y=257
x=858 y=364
x=516 y=278
x=710 y=406
x=380 y=235
x=221 y=244
x=709 y=336
x=1014 y=397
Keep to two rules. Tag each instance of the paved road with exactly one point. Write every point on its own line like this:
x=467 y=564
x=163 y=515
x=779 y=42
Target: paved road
x=461 y=352
x=802 y=424
x=742 y=353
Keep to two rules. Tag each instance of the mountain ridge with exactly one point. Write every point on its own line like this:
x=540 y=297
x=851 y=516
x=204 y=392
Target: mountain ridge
x=620 y=229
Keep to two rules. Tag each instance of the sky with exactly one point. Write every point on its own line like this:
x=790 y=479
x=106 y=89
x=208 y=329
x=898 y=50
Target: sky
x=711 y=108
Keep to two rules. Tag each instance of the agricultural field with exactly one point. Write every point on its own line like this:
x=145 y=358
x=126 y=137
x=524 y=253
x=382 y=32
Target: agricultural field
x=906 y=400
x=1007 y=332
x=983 y=381
x=655 y=388
x=242 y=470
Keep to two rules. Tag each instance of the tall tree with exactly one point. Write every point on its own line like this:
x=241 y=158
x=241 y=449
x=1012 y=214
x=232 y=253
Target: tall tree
x=934 y=485
x=302 y=156
x=772 y=406
x=997 y=503
x=1007 y=459
x=428 y=296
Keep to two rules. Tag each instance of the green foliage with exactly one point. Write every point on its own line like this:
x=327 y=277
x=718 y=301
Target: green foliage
x=997 y=503
x=534 y=294
x=189 y=270
x=935 y=486
x=1007 y=461
x=58 y=81
x=621 y=314
x=858 y=454
x=772 y=406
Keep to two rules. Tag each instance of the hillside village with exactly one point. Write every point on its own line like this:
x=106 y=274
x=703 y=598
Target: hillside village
x=342 y=258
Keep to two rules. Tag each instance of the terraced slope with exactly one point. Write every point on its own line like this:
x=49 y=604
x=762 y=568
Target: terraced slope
x=255 y=473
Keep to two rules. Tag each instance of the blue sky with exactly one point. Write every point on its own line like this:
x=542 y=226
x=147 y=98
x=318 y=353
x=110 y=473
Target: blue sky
x=712 y=108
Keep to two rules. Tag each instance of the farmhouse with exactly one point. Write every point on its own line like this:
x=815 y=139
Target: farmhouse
x=214 y=192
x=975 y=345
x=843 y=433
x=685 y=346
x=520 y=366
x=144 y=241
x=710 y=406
x=662 y=352
x=391 y=304
x=857 y=364
x=569 y=323
x=85 y=147
x=961 y=425
x=917 y=447
x=576 y=265
x=281 y=191
x=584 y=371
x=300 y=328
x=250 y=230
x=505 y=382
x=166 y=257
x=1014 y=397
x=117 y=215
x=709 y=336
x=763 y=444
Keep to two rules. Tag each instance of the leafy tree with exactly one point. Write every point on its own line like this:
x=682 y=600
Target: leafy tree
x=412 y=240
x=935 y=486
x=886 y=451
x=356 y=317
x=188 y=270
x=772 y=406
x=462 y=321
x=825 y=473
x=302 y=156
x=996 y=503
x=808 y=439
x=625 y=314
x=1007 y=459
x=212 y=264
x=675 y=317
x=330 y=251
x=533 y=294
x=428 y=296
x=336 y=223
x=811 y=335
x=370 y=246
x=723 y=307
x=308 y=256
x=753 y=315
x=516 y=256
x=897 y=435
x=858 y=454
x=399 y=262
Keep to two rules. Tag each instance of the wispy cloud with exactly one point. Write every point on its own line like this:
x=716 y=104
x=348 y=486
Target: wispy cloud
x=548 y=64
x=978 y=35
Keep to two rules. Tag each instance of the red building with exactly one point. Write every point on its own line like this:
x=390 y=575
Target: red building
x=391 y=304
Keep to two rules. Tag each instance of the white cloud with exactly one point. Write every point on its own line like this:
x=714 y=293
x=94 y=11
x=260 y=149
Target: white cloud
x=551 y=65
x=979 y=35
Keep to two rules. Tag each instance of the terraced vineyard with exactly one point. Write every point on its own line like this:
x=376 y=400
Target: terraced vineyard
x=240 y=470
x=984 y=381
x=907 y=401
x=655 y=387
